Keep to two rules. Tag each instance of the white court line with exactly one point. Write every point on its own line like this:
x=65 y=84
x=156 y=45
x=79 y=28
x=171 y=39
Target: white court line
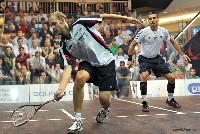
x=132 y=102
x=161 y=114
x=67 y=113
x=142 y=115
x=54 y=119
x=196 y=112
x=43 y=110
x=121 y=116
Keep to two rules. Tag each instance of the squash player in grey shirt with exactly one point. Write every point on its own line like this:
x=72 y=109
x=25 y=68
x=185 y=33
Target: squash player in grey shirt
x=97 y=66
x=151 y=38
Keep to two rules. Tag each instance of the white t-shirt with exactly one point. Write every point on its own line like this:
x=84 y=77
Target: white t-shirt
x=151 y=41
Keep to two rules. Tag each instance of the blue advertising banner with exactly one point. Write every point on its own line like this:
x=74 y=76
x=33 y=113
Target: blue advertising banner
x=195 y=30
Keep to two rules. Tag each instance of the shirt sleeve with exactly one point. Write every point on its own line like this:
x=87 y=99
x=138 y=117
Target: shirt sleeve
x=65 y=56
x=89 y=21
x=139 y=36
x=167 y=35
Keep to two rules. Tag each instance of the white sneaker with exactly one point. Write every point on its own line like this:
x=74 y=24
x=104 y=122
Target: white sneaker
x=75 y=127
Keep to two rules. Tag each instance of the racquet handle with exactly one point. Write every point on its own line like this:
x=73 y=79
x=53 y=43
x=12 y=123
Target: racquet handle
x=61 y=95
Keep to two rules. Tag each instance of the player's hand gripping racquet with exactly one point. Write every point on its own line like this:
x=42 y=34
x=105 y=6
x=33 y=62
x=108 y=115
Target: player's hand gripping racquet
x=24 y=113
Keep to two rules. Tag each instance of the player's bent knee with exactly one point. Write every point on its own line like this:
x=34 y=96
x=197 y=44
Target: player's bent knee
x=144 y=75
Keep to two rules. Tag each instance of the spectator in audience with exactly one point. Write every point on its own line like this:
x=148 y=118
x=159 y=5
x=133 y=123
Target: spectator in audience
x=120 y=56
x=108 y=37
x=68 y=15
x=114 y=10
x=42 y=79
x=5 y=42
x=32 y=24
x=29 y=33
x=126 y=44
x=5 y=78
x=38 y=65
x=134 y=68
x=188 y=66
x=107 y=24
x=19 y=35
x=119 y=38
x=173 y=58
x=23 y=76
x=31 y=39
x=57 y=74
x=34 y=48
x=10 y=29
x=9 y=22
x=192 y=74
x=44 y=34
x=123 y=76
x=101 y=31
x=180 y=65
x=178 y=73
x=113 y=46
x=126 y=11
x=22 y=25
x=23 y=59
x=31 y=16
x=100 y=10
x=9 y=60
x=19 y=44
x=125 y=31
x=47 y=49
x=113 y=30
x=78 y=13
x=7 y=12
x=42 y=15
x=50 y=62
x=89 y=11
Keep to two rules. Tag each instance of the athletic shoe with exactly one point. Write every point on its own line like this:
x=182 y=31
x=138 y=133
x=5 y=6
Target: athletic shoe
x=145 y=107
x=75 y=127
x=101 y=116
x=173 y=103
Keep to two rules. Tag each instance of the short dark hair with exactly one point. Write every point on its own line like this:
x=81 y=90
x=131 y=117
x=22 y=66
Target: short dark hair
x=122 y=62
x=153 y=13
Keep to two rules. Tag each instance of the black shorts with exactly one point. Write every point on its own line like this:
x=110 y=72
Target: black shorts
x=104 y=77
x=156 y=64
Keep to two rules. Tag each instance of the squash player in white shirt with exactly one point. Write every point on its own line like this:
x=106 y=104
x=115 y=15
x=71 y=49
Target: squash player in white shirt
x=151 y=39
x=97 y=66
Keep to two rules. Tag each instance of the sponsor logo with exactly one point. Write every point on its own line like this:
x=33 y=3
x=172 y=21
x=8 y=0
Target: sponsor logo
x=194 y=88
x=44 y=93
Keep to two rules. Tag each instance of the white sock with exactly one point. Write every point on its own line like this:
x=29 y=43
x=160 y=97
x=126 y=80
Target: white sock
x=77 y=116
x=170 y=96
x=144 y=98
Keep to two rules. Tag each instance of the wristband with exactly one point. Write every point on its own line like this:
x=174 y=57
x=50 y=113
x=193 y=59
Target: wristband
x=130 y=57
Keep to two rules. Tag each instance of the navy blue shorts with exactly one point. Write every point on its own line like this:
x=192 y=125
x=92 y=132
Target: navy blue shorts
x=104 y=77
x=156 y=64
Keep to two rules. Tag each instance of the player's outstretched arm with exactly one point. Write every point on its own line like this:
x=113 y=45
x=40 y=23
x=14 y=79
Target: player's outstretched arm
x=64 y=81
x=177 y=47
x=115 y=16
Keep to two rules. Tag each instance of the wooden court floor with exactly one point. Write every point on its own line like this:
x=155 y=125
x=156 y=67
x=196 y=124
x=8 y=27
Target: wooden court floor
x=125 y=117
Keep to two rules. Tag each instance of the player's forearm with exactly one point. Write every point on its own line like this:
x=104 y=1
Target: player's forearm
x=176 y=46
x=65 y=77
x=112 y=16
x=131 y=48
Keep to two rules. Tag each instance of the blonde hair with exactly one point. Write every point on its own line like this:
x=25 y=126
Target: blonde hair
x=59 y=15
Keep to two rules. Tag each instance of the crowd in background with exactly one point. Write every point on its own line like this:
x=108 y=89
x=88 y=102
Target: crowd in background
x=29 y=50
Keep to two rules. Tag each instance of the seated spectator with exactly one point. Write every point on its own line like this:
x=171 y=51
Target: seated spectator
x=126 y=44
x=89 y=11
x=188 y=66
x=47 y=49
x=173 y=58
x=33 y=38
x=123 y=76
x=78 y=13
x=192 y=74
x=56 y=75
x=50 y=63
x=23 y=59
x=37 y=65
x=119 y=38
x=42 y=15
x=113 y=46
x=5 y=42
x=10 y=29
x=23 y=76
x=42 y=79
x=135 y=71
x=5 y=78
x=20 y=44
x=19 y=35
x=120 y=56
x=180 y=65
x=34 y=48
x=31 y=16
x=125 y=31
x=9 y=60
x=178 y=74
x=108 y=37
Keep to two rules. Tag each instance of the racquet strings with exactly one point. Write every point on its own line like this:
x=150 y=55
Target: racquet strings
x=22 y=115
